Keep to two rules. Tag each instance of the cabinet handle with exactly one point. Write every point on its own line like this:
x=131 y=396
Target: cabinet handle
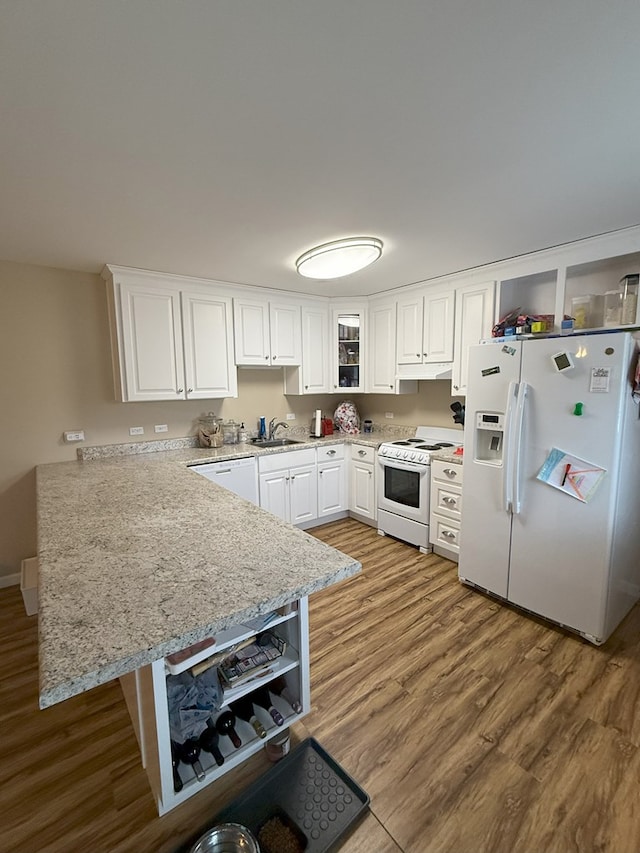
x=306 y=387
x=293 y=476
x=180 y=391
x=447 y=500
x=189 y=390
x=390 y=386
x=274 y=357
x=331 y=453
x=362 y=453
x=286 y=478
x=371 y=473
x=266 y=358
x=335 y=386
x=448 y=534
x=450 y=472
x=417 y=355
x=425 y=354
x=321 y=473
x=456 y=387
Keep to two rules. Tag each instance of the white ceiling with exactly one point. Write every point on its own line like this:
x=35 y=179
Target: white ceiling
x=222 y=138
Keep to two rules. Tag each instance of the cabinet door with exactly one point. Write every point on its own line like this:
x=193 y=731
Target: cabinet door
x=208 y=346
x=303 y=494
x=251 y=330
x=438 y=327
x=151 y=339
x=474 y=318
x=285 y=334
x=332 y=489
x=274 y=493
x=381 y=368
x=410 y=314
x=315 y=351
x=362 y=492
x=349 y=341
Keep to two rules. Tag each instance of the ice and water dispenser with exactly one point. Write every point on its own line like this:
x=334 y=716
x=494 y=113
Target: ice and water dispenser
x=488 y=437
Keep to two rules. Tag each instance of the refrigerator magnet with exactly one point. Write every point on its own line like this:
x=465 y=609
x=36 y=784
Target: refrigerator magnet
x=600 y=378
x=563 y=361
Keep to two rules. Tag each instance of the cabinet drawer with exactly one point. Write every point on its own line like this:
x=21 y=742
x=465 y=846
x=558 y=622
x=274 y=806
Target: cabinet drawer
x=286 y=460
x=330 y=452
x=363 y=453
x=446 y=499
x=445 y=532
x=446 y=472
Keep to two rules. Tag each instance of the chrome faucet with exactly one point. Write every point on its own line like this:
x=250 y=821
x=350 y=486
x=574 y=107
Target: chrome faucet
x=273 y=426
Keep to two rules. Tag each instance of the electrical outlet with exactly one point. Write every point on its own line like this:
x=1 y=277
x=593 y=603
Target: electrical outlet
x=290 y=416
x=136 y=430
x=388 y=414
x=161 y=428
x=78 y=435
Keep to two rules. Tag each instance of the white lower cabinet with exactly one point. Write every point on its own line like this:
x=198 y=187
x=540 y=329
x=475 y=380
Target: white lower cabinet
x=145 y=691
x=446 y=508
x=362 y=483
x=289 y=485
x=332 y=482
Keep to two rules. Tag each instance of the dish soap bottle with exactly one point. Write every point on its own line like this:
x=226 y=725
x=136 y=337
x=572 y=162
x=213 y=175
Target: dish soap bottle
x=262 y=427
x=242 y=434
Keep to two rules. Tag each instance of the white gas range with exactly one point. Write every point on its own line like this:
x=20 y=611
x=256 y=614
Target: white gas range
x=404 y=483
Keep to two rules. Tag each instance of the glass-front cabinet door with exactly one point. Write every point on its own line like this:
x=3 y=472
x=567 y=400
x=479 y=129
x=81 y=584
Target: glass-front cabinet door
x=349 y=350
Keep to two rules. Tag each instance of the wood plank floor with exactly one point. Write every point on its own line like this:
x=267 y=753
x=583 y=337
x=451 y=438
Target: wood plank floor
x=474 y=728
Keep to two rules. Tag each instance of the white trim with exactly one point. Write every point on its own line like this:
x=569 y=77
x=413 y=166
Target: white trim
x=9 y=580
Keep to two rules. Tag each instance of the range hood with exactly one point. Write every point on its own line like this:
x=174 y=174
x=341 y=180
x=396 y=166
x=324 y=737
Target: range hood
x=435 y=370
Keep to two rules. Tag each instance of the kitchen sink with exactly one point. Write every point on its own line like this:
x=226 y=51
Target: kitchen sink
x=276 y=442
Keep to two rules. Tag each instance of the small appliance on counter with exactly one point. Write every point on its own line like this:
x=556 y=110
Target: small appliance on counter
x=316 y=424
x=327 y=426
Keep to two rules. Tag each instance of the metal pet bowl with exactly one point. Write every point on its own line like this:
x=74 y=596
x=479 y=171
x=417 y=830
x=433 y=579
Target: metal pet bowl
x=226 y=838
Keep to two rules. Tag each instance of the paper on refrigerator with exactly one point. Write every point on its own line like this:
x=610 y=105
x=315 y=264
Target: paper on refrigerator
x=570 y=474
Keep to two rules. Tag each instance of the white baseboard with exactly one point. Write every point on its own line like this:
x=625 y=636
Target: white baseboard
x=9 y=580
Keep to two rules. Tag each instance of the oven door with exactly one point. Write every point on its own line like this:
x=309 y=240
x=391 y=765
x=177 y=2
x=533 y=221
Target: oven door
x=403 y=488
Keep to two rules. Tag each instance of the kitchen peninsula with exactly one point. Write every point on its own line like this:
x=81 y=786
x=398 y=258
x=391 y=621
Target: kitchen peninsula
x=140 y=558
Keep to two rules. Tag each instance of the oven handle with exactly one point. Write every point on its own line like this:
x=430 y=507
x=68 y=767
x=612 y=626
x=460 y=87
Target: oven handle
x=402 y=465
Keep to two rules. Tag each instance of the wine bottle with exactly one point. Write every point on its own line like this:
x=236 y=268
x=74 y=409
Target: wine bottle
x=225 y=726
x=279 y=687
x=209 y=742
x=243 y=708
x=190 y=754
x=261 y=698
x=175 y=760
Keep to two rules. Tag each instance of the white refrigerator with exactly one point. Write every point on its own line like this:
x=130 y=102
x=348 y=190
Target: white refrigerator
x=551 y=489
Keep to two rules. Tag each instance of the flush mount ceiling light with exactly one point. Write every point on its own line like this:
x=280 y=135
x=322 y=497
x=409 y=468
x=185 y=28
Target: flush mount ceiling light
x=341 y=257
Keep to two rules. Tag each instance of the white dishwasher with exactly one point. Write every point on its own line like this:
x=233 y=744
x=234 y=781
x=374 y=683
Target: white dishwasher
x=237 y=475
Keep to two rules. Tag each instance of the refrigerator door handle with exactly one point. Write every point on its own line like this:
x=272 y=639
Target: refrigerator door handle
x=508 y=443
x=518 y=448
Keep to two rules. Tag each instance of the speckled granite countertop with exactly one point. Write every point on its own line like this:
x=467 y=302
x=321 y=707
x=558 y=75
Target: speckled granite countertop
x=139 y=557
x=447 y=456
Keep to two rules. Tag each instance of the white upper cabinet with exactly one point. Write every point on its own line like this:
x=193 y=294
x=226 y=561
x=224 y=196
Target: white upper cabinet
x=381 y=373
x=438 y=327
x=424 y=348
x=474 y=319
x=168 y=342
x=312 y=376
x=426 y=327
x=348 y=348
x=266 y=333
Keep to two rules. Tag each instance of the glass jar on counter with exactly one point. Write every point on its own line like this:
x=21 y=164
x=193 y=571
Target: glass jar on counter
x=230 y=431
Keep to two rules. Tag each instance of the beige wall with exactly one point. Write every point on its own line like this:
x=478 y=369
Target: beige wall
x=56 y=376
